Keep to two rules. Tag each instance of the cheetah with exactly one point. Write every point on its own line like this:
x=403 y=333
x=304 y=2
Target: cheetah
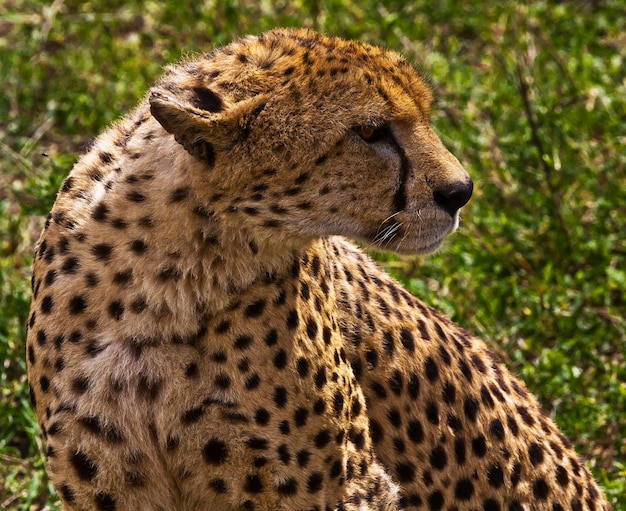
x=203 y=336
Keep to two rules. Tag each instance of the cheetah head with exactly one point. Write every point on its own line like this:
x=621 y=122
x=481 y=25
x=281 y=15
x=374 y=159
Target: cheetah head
x=315 y=136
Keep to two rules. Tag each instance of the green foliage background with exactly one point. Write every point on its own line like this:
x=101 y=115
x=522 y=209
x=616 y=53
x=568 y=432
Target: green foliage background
x=532 y=99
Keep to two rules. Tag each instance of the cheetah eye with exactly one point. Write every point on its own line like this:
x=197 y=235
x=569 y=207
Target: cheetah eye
x=371 y=134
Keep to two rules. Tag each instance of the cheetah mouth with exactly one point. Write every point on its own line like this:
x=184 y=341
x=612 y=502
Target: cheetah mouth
x=420 y=240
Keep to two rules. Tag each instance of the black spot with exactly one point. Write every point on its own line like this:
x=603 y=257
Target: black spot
x=459 y=451
x=303 y=367
x=280 y=359
x=215 y=452
x=179 y=194
x=218 y=485
x=311 y=329
x=271 y=338
x=320 y=377
x=406 y=337
x=105 y=502
x=322 y=439
x=85 y=468
x=471 y=407
x=283 y=454
x=253 y=484
x=138 y=247
x=479 y=446
x=222 y=381
x=379 y=389
x=191 y=371
x=516 y=474
x=31 y=354
x=293 y=320
x=491 y=505
x=192 y=415
x=449 y=393
x=526 y=416
x=438 y=458
x=431 y=369
x=288 y=487
x=394 y=417
x=432 y=413
x=300 y=416
x=80 y=384
x=535 y=453
x=464 y=490
x=100 y=212
x=405 y=472
x=496 y=429
x=242 y=342
x=436 y=501
x=415 y=431
x=138 y=305
x=413 y=386
x=257 y=443
x=149 y=389
x=486 y=397
x=315 y=482
x=280 y=396
x=395 y=382
x=512 y=425
x=119 y=223
x=541 y=490
x=303 y=457
x=252 y=381
x=376 y=431
x=357 y=438
x=91 y=280
x=135 y=196
x=77 y=305
x=46 y=306
x=561 y=476
x=338 y=402
x=372 y=358
x=465 y=369
x=116 y=310
x=41 y=337
x=67 y=493
x=170 y=273
x=44 y=382
x=495 y=476
x=122 y=278
x=51 y=276
x=102 y=251
x=319 y=407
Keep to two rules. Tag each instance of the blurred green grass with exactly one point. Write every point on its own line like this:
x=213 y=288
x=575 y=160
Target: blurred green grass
x=531 y=98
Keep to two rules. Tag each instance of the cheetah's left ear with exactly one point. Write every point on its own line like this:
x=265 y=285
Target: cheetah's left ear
x=201 y=122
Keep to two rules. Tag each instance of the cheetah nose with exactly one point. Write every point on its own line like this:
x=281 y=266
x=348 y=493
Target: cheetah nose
x=453 y=197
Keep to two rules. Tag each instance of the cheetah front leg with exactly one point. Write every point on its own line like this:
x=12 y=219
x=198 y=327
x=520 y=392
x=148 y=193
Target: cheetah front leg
x=452 y=426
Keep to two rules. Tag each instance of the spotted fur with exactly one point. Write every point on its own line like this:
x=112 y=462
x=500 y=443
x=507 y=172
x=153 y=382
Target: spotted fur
x=201 y=338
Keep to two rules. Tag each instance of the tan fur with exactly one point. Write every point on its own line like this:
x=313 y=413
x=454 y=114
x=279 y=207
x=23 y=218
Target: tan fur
x=200 y=338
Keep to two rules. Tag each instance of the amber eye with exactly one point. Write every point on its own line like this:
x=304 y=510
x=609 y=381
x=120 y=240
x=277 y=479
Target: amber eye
x=371 y=134
x=367 y=133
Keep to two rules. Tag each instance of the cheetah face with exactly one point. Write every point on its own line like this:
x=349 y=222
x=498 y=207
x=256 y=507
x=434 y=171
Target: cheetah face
x=316 y=136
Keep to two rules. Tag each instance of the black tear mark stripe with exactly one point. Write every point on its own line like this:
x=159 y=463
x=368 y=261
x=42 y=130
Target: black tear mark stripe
x=399 y=198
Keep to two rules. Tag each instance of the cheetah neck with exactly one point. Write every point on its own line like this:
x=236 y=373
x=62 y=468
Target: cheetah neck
x=178 y=259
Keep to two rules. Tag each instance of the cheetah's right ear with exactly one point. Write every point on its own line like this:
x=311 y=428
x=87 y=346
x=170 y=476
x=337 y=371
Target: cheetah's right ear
x=201 y=121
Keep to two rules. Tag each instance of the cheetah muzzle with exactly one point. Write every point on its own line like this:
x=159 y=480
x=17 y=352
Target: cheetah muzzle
x=201 y=337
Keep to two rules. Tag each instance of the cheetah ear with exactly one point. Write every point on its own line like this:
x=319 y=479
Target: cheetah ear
x=202 y=122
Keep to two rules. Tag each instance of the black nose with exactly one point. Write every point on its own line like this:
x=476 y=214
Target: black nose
x=453 y=197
